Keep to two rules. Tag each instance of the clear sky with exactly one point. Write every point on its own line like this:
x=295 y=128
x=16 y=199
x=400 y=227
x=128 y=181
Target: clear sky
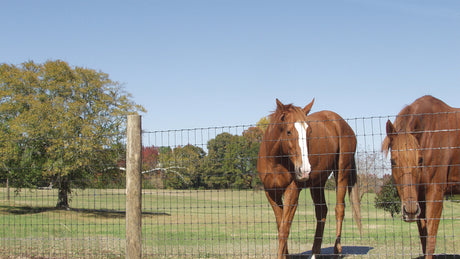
x=196 y=63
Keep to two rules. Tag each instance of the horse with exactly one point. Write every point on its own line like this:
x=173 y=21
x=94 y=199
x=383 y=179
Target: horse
x=424 y=145
x=300 y=151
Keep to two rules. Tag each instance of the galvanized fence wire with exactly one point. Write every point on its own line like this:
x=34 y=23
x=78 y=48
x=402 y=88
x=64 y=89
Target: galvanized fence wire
x=93 y=227
x=32 y=226
x=213 y=205
x=202 y=198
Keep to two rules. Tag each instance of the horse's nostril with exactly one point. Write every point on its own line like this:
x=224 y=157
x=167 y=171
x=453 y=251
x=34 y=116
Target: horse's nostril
x=418 y=210
x=405 y=210
x=414 y=209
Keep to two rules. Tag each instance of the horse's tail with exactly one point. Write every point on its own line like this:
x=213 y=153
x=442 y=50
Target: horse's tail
x=353 y=192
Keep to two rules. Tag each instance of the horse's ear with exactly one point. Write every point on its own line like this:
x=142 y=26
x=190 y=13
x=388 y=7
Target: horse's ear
x=391 y=131
x=307 y=108
x=279 y=105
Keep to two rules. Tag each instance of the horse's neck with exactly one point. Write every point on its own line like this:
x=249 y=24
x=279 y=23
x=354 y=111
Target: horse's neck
x=271 y=150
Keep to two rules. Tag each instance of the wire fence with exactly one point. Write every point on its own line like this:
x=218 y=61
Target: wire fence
x=202 y=198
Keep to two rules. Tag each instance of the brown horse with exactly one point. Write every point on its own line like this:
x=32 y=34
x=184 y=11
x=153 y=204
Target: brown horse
x=300 y=151
x=425 y=156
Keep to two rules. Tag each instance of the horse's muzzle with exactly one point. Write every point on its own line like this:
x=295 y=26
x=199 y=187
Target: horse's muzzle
x=410 y=211
x=302 y=175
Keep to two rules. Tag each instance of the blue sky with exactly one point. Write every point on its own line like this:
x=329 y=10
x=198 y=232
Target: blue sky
x=217 y=63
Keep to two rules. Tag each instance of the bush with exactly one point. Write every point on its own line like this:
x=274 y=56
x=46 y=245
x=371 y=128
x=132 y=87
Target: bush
x=330 y=184
x=388 y=198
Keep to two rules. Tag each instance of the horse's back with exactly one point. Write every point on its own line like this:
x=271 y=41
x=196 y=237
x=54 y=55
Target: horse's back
x=333 y=125
x=429 y=112
x=437 y=122
x=429 y=104
x=331 y=135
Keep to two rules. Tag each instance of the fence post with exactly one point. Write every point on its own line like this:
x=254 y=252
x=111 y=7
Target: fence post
x=133 y=188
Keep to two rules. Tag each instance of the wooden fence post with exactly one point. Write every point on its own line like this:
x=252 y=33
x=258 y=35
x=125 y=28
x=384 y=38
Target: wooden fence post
x=133 y=188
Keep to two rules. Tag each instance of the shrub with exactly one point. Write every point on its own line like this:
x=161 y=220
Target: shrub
x=388 y=198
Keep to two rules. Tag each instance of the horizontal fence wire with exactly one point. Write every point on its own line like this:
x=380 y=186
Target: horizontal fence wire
x=202 y=198
x=211 y=203
x=93 y=223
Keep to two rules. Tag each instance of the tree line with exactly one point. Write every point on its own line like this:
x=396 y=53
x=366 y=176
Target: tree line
x=231 y=162
x=64 y=127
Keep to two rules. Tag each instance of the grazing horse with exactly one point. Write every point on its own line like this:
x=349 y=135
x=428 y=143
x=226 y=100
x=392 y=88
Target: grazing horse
x=300 y=151
x=425 y=156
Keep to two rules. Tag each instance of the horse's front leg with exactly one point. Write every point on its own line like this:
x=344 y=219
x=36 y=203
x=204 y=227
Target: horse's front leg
x=284 y=213
x=433 y=215
x=317 y=194
x=291 y=198
x=421 y=223
x=275 y=199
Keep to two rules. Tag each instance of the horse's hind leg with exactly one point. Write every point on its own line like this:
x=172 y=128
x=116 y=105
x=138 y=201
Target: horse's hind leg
x=346 y=165
x=341 y=190
x=346 y=169
x=317 y=194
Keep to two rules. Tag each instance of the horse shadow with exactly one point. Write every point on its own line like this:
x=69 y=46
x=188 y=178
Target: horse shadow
x=328 y=252
x=441 y=256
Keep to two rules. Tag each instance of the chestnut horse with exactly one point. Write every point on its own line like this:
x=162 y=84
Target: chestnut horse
x=424 y=142
x=300 y=151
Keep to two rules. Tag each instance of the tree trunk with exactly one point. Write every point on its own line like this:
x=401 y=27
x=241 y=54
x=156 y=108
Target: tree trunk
x=63 y=194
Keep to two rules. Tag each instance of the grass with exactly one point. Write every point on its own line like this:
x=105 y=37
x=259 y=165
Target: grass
x=199 y=224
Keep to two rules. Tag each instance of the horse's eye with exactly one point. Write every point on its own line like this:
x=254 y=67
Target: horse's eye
x=393 y=163
x=289 y=133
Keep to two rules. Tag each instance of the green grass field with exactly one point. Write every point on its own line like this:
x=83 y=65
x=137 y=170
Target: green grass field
x=199 y=224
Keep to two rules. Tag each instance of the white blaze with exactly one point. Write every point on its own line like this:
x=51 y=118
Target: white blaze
x=301 y=128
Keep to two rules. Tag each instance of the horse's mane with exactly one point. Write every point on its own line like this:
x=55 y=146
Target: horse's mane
x=277 y=116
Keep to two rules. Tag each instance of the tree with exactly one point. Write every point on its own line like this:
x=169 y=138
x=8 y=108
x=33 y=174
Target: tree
x=64 y=122
x=263 y=124
x=253 y=137
x=370 y=165
x=232 y=160
x=181 y=167
x=388 y=198
x=149 y=158
x=216 y=176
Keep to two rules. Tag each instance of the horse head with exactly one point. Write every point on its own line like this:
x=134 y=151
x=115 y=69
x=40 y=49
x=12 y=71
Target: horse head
x=290 y=129
x=406 y=164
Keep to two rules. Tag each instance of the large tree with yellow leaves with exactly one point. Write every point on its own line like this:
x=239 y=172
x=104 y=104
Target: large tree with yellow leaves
x=60 y=123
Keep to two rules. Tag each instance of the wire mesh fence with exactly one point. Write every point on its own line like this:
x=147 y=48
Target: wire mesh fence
x=32 y=226
x=196 y=219
x=35 y=220
x=202 y=198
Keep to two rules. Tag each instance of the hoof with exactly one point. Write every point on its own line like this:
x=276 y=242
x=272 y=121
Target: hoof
x=338 y=249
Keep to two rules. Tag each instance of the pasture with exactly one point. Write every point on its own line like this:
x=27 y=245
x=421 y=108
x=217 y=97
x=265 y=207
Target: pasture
x=199 y=224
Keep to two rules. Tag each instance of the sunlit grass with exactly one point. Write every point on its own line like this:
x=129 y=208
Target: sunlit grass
x=199 y=224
